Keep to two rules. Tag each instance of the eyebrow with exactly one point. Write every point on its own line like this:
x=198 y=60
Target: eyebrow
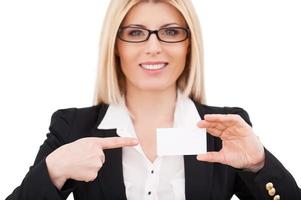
x=142 y=26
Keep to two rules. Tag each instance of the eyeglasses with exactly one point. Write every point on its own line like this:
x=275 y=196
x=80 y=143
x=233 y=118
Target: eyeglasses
x=168 y=34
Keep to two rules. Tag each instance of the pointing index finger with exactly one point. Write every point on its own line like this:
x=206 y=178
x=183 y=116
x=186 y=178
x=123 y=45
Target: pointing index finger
x=117 y=142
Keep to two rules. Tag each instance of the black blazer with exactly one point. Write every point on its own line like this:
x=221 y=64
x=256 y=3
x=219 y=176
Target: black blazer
x=203 y=181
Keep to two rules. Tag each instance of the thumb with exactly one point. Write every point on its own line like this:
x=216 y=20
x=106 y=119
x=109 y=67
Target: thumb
x=211 y=157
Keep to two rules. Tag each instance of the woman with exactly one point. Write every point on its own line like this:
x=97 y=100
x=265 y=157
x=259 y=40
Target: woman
x=150 y=76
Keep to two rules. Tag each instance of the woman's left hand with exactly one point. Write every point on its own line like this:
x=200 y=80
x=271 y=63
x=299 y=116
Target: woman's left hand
x=241 y=148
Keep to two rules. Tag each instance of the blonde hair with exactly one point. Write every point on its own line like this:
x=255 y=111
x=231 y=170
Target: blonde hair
x=109 y=87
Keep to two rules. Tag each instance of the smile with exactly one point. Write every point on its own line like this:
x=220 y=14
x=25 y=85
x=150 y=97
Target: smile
x=153 y=66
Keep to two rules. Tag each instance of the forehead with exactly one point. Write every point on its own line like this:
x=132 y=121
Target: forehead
x=153 y=15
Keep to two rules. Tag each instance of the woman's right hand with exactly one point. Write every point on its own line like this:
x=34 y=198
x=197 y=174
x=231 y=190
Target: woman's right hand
x=82 y=159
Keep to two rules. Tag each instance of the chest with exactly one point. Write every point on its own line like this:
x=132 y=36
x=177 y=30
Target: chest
x=146 y=134
x=161 y=179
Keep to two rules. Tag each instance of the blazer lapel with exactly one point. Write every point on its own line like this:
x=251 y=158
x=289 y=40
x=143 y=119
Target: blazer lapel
x=110 y=176
x=198 y=176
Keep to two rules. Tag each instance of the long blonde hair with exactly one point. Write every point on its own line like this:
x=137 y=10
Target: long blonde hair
x=109 y=87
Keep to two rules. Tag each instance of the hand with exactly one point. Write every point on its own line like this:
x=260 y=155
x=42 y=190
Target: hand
x=82 y=159
x=241 y=148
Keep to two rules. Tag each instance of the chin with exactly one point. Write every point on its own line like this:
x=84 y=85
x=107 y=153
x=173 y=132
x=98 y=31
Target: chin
x=154 y=87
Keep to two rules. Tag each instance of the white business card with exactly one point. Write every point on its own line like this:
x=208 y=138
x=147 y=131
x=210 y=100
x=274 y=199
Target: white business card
x=181 y=141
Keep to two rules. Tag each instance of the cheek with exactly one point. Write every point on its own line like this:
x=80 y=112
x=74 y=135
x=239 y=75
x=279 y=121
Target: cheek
x=179 y=61
x=127 y=55
x=177 y=50
x=178 y=56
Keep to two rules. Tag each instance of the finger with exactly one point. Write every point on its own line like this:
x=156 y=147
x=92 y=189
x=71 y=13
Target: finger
x=209 y=124
x=222 y=117
x=215 y=132
x=102 y=157
x=215 y=129
x=211 y=157
x=116 y=142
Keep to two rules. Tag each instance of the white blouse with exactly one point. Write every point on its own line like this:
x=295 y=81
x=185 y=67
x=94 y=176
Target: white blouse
x=163 y=179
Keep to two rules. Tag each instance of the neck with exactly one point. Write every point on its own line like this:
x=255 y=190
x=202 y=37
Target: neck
x=153 y=106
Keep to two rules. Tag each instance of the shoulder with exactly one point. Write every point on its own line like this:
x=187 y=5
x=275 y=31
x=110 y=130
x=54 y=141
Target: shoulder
x=64 y=121
x=69 y=114
x=207 y=109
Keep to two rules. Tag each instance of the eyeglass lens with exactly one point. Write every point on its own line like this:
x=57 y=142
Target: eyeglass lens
x=169 y=34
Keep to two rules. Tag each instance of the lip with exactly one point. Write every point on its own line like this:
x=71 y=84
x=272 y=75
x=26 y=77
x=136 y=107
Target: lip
x=153 y=63
x=153 y=71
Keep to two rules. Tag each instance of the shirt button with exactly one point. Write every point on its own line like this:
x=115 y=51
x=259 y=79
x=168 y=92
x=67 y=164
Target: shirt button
x=149 y=193
x=152 y=171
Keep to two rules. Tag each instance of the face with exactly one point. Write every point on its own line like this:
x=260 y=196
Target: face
x=152 y=65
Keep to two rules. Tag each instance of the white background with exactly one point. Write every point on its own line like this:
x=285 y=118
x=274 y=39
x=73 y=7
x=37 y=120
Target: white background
x=48 y=59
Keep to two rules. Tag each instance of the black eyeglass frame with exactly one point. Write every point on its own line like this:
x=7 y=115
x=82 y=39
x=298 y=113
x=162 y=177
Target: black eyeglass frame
x=153 y=32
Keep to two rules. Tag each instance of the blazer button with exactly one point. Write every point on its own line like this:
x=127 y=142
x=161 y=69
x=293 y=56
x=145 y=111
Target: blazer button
x=269 y=186
x=272 y=192
x=277 y=197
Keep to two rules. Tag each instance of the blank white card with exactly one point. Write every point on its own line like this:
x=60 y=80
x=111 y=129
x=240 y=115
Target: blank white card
x=181 y=141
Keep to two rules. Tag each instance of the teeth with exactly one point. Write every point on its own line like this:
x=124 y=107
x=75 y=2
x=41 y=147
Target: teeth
x=153 y=67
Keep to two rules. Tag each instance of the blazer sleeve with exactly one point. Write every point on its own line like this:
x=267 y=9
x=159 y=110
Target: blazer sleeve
x=250 y=185
x=37 y=184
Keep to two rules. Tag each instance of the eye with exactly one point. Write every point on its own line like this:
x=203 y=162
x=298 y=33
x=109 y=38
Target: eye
x=135 y=32
x=171 y=31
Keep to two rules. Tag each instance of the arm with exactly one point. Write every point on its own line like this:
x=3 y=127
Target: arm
x=271 y=172
x=37 y=183
x=62 y=163
x=254 y=165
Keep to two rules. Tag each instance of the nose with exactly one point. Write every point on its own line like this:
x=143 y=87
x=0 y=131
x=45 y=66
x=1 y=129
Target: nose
x=153 y=45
